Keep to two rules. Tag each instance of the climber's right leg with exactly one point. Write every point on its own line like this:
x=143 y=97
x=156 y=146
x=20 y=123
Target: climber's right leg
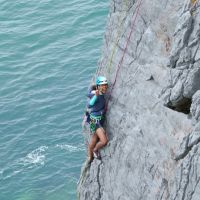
x=103 y=140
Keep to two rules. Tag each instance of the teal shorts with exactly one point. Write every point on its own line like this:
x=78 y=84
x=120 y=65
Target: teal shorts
x=95 y=123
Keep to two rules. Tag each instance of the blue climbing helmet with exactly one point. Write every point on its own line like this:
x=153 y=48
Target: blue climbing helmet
x=101 y=80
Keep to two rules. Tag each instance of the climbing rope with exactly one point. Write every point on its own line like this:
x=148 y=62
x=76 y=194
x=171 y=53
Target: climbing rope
x=118 y=37
x=116 y=40
x=119 y=30
x=126 y=46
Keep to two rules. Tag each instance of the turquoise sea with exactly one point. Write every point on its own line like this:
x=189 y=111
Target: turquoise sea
x=48 y=54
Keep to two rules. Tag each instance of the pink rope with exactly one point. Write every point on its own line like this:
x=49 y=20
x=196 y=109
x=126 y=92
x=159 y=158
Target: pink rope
x=122 y=59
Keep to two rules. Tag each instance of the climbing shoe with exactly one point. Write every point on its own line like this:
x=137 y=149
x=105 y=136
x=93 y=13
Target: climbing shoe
x=97 y=155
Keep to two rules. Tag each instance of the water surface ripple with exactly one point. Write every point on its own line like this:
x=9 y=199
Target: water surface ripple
x=48 y=54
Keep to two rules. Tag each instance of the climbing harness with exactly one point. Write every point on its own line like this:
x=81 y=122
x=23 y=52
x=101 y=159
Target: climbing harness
x=94 y=121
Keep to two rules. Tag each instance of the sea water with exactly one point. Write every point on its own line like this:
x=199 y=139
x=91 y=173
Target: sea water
x=48 y=55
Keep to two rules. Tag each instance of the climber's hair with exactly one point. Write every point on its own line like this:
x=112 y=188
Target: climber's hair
x=93 y=87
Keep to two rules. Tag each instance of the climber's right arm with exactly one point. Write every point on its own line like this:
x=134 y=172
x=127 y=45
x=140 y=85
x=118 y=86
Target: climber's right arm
x=92 y=100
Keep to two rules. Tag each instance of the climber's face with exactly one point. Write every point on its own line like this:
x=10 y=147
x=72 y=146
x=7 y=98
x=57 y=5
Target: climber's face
x=103 y=88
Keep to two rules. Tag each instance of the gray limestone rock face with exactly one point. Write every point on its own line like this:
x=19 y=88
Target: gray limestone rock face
x=152 y=50
x=195 y=107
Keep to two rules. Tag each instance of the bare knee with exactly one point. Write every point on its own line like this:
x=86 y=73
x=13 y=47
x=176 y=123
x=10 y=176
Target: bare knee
x=105 y=142
x=102 y=136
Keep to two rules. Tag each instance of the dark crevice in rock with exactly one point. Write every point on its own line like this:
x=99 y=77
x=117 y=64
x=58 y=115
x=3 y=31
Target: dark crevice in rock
x=151 y=78
x=184 y=154
x=98 y=180
x=144 y=21
x=195 y=53
x=181 y=106
x=186 y=180
x=188 y=32
x=165 y=189
x=195 y=187
x=114 y=7
x=187 y=148
x=139 y=41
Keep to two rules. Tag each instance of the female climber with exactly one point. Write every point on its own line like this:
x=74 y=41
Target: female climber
x=96 y=117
